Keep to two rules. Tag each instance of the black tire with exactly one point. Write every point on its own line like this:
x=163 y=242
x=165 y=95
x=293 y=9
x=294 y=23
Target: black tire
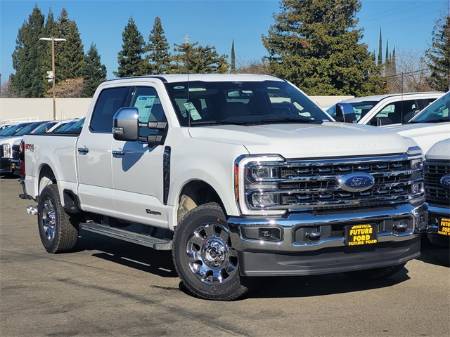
x=63 y=233
x=231 y=287
x=376 y=274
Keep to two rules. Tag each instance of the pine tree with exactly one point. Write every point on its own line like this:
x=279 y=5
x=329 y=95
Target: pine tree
x=386 y=57
x=94 y=72
x=130 y=57
x=70 y=53
x=28 y=79
x=158 y=59
x=315 y=45
x=438 y=56
x=393 y=63
x=193 y=58
x=50 y=29
x=233 y=59
x=380 y=50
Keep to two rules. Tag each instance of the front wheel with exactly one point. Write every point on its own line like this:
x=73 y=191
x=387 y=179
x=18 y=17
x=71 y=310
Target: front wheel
x=204 y=257
x=57 y=229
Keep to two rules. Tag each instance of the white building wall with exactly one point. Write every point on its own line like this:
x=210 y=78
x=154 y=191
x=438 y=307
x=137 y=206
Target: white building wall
x=24 y=109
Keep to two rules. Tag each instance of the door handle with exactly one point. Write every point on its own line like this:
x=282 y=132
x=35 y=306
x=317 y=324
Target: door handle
x=83 y=150
x=118 y=153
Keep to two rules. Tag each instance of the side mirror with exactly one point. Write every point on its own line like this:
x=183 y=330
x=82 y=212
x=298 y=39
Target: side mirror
x=126 y=124
x=345 y=113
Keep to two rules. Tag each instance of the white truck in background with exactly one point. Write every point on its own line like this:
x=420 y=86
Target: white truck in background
x=236 y=175
x=437 y=191
x=382 y=110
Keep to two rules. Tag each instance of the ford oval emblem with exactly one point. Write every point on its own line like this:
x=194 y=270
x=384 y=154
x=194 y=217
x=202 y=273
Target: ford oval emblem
x=356 y=182
x=445 y=181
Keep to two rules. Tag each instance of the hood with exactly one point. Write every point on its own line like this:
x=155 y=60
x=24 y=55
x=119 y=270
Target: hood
x=424 y=134
x=440 y=151
x=307 y=140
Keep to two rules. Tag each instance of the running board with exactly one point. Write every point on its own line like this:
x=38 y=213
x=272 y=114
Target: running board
x=129 y=236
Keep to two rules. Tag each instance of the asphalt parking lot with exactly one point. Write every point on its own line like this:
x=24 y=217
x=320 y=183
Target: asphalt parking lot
x=112 y=288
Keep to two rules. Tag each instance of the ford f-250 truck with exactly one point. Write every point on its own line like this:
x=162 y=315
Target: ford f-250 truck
x=238 y=175
x=437 y=192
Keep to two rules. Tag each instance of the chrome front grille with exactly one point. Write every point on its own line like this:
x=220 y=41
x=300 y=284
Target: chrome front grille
x=313 y=184
x=434 y=191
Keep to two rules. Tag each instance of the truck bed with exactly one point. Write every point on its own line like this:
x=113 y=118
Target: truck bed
x=57 y=151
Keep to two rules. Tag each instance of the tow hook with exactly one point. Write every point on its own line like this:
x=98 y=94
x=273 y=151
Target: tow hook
x=32 y=210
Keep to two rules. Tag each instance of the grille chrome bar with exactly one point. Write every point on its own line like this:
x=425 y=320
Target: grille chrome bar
x=313 y=183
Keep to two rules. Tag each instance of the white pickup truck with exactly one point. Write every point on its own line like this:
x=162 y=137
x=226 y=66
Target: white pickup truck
x=238 y=175
x=437 y=188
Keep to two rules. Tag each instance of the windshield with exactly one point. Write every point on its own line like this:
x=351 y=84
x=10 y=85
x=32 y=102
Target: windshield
x=12 y=130
x=246 y=103
x=436 y=112
x=27 y=129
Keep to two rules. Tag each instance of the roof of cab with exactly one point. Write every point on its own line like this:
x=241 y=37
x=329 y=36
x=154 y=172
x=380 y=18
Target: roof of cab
x=377 y=98
x=170 y=78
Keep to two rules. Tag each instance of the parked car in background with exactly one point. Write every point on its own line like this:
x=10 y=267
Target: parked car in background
x=430 y=126
x=61 y=124
x=9 y=145
x=437 y=191
x=382 y=110
x=12 y=129
x=233 y=173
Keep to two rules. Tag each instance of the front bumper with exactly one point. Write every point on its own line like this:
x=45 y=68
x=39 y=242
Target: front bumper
x=435 y=213
x=6 y=165
x=293 y=250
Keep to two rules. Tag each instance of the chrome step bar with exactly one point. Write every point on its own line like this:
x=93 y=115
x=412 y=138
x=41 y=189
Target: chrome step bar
x=129 y=236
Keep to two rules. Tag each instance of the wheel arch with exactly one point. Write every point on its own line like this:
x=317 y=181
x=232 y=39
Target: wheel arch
x=201 y=192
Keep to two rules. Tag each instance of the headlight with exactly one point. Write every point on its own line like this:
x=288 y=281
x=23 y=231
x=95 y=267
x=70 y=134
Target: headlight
x=254 y=180
x=417 y=164
x=7 y=151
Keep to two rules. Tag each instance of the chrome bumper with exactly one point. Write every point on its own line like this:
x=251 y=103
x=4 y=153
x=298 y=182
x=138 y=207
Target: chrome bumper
x=414 y=216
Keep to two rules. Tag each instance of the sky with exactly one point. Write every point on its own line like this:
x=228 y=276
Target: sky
x=407 y=24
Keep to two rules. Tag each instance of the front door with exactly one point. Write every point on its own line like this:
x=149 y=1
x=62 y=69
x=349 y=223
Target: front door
x=138 y=168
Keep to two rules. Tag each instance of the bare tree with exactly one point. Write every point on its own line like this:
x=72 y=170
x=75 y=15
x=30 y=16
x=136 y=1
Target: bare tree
x=254 y=67
x=411 y=74
x=5 y=90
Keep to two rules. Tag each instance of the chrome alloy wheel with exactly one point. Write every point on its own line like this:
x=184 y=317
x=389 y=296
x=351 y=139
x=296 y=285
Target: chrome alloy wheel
x=49 y=219
x=211 y=257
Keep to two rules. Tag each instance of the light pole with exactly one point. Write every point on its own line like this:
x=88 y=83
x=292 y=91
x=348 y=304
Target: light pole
x=53 y=74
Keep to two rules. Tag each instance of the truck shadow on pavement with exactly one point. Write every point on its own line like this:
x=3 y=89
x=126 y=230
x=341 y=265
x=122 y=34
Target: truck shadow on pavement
x=129 y=254
x=160 y=263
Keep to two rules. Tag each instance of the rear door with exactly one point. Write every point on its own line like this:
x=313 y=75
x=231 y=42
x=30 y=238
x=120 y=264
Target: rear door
x=138 y=168
x=94 y=152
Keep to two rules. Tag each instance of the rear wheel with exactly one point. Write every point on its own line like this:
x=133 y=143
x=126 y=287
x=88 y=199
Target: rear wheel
x=376 y=274
x=204 y=257
x=57 y=229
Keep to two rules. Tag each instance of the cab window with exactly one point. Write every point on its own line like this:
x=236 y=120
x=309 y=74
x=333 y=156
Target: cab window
x=396 y=113
x=147 y=101
x=108 y=102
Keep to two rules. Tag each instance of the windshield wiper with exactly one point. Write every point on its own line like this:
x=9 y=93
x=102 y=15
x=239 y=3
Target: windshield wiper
x=289 y=120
